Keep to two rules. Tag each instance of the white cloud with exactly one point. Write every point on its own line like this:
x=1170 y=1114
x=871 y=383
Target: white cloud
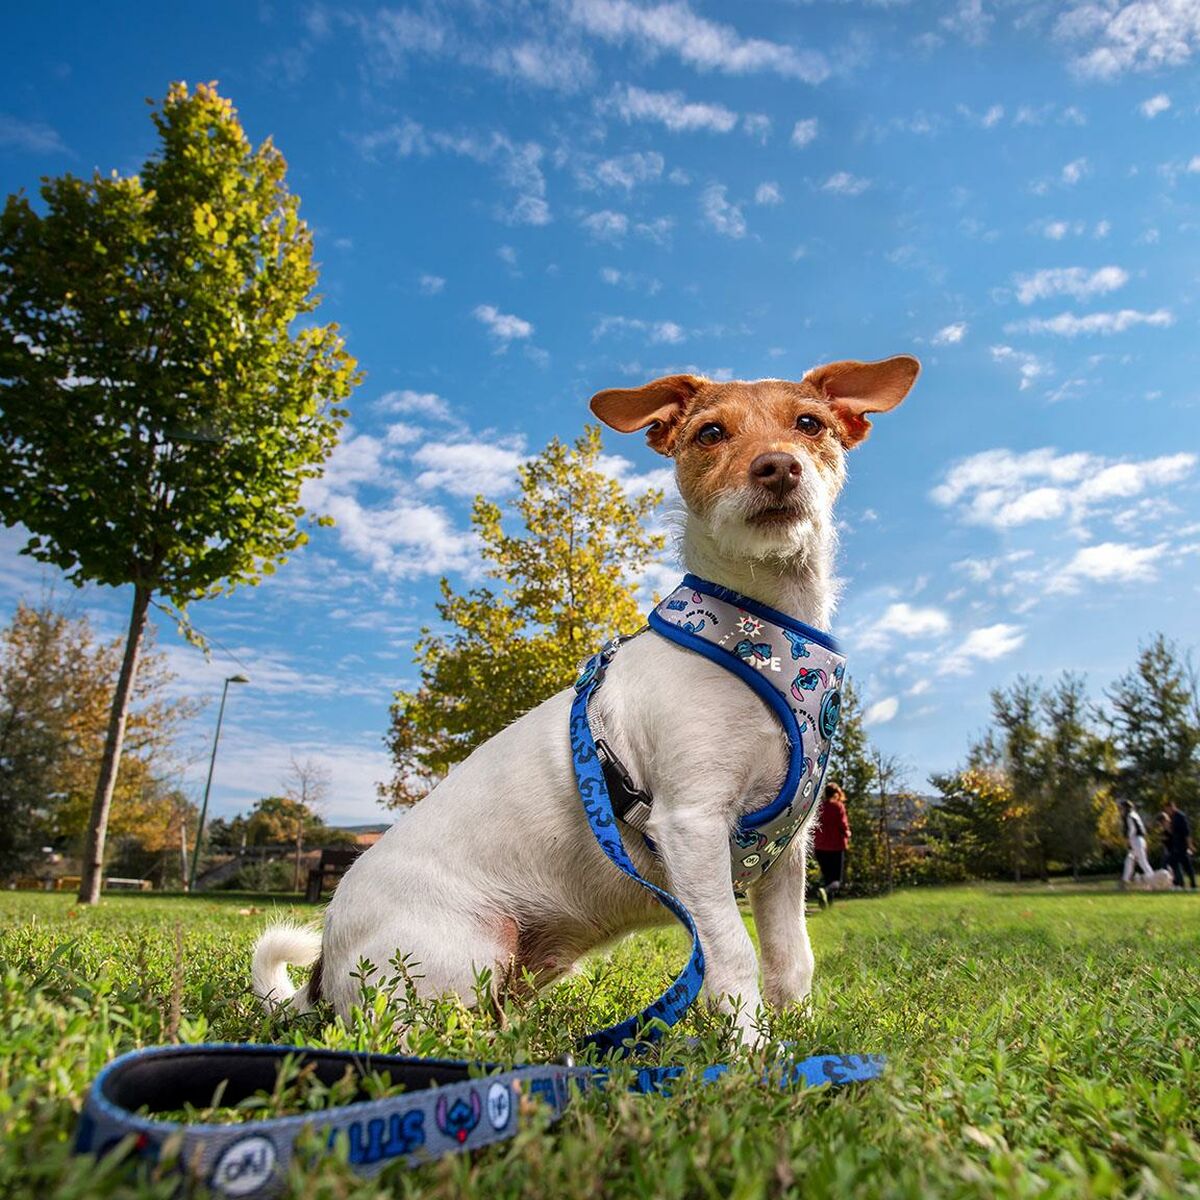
x=503 y=327
x=1154 y=105
x=903 y=621
x=1056 y=230
x=804 y=132
x=1029 y=365
x=517 y=164
x=31 y=136
x=674 y=28
x=987 y=644
x=757 y=126
x=1074 y=171
x=724 y=216
x=1104 y=323
x=469 y=468
x=1003 y=489
x=1140 y=35
x=842 y=183
x=950 y=335
x=424 y=404
x=768 y=192
x=431 y=285
x=625 y=170
x=670 y=109
x=606 y=225
x=1069 y=281
x=636 y=482
x=657 y=332
x=882 y=711
x=1108 y=562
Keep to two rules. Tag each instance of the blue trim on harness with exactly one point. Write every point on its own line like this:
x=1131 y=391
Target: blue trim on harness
x=762 y=610
x=770 y=695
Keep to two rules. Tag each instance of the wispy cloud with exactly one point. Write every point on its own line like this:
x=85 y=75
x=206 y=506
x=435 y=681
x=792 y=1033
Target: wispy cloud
x=720 y=213
x=503 y=327
x=1151 y=107
x=1029 y=366
x=1108 y=562
x=950 y=335
x=1071 y=325
x=768 y=193
x=1004 y=489
x=31 y=136
x=842 y=183
x=673 y=28
x=672 y=110
x=1078 y=282
x=804 y=132
x=986 y=644
x=1140 y=35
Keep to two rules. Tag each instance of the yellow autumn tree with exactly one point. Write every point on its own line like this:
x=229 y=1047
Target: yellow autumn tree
x=565 y=579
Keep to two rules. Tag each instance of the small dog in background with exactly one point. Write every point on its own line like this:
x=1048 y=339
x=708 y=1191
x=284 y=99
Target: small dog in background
x=497 y=867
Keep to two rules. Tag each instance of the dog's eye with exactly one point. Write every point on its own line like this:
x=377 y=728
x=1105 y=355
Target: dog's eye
x=711 y=434
x=809 y=425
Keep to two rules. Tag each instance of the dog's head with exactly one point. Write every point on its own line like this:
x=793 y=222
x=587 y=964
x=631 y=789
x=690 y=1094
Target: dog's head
x=760 y=464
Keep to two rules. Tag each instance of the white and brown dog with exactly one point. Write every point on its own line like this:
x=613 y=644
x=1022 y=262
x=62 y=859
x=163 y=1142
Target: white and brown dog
x=497 y=868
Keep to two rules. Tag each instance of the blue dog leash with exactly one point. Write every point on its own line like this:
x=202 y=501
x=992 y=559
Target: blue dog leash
x=446 y=1105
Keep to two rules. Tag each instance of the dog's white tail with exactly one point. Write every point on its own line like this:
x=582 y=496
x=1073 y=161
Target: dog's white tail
x=280 y=945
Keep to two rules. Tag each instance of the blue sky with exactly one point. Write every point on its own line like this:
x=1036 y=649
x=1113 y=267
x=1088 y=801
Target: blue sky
x=519 y=203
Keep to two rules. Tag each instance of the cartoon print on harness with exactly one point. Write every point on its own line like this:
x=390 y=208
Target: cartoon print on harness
x=749 y=651
x=748 y=839
x=676 y=605
x=799 y=644
x=809 y=679
x=460 y=1118
x=689 y=627
x=747 y=625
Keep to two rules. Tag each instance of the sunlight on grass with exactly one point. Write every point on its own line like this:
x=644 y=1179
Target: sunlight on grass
x=1043 y=1041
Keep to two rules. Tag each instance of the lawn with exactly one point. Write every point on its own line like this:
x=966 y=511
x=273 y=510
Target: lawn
x=1042 y=1041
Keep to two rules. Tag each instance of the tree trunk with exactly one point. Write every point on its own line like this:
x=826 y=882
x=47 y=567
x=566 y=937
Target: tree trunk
x=299 y=852
x=93 y=858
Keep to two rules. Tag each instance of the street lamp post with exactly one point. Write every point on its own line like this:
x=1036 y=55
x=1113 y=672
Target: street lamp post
x=208 y=783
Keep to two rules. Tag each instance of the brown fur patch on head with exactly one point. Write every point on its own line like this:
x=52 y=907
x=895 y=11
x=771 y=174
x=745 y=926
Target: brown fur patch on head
x=755 y=418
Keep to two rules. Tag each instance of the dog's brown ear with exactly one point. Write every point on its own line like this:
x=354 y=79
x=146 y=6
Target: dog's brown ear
x=660 y=404
x=854 y=389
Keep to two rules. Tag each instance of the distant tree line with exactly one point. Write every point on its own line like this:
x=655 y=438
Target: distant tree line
x=1037 y=793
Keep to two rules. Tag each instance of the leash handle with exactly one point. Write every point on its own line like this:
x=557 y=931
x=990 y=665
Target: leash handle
x=447 y=1106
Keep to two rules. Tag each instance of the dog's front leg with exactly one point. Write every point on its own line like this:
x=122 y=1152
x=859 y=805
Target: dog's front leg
x=778 y=903
x=693 y=841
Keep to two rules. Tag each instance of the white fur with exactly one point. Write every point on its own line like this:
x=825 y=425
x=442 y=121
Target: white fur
x=502 y=845
x=280 y=945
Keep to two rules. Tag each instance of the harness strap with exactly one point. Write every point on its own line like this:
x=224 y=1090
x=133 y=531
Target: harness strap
x=446 y=1105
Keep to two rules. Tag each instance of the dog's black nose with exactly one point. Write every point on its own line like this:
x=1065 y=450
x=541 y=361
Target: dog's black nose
x=778 y=472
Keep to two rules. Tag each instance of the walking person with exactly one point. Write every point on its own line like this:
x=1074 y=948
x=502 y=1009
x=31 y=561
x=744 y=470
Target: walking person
x=831 y=839
x=1179 y=845
x=1135 y=834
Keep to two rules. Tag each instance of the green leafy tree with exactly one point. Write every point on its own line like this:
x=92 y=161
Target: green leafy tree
x=162 y=396
x=976 y=826
x=1074 y=764
x=56 y=688
x=565 y=584
x=1016 y=712
x=1156 y=730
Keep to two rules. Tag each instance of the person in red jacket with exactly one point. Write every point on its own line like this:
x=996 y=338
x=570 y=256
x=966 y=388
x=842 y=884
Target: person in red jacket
x=831 y=838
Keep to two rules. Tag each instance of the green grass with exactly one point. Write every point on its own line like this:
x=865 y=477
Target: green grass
x=1042 y=1042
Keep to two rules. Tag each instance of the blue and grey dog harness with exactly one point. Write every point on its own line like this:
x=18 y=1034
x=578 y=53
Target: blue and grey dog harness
x=795 y=669
x=449 y=1105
